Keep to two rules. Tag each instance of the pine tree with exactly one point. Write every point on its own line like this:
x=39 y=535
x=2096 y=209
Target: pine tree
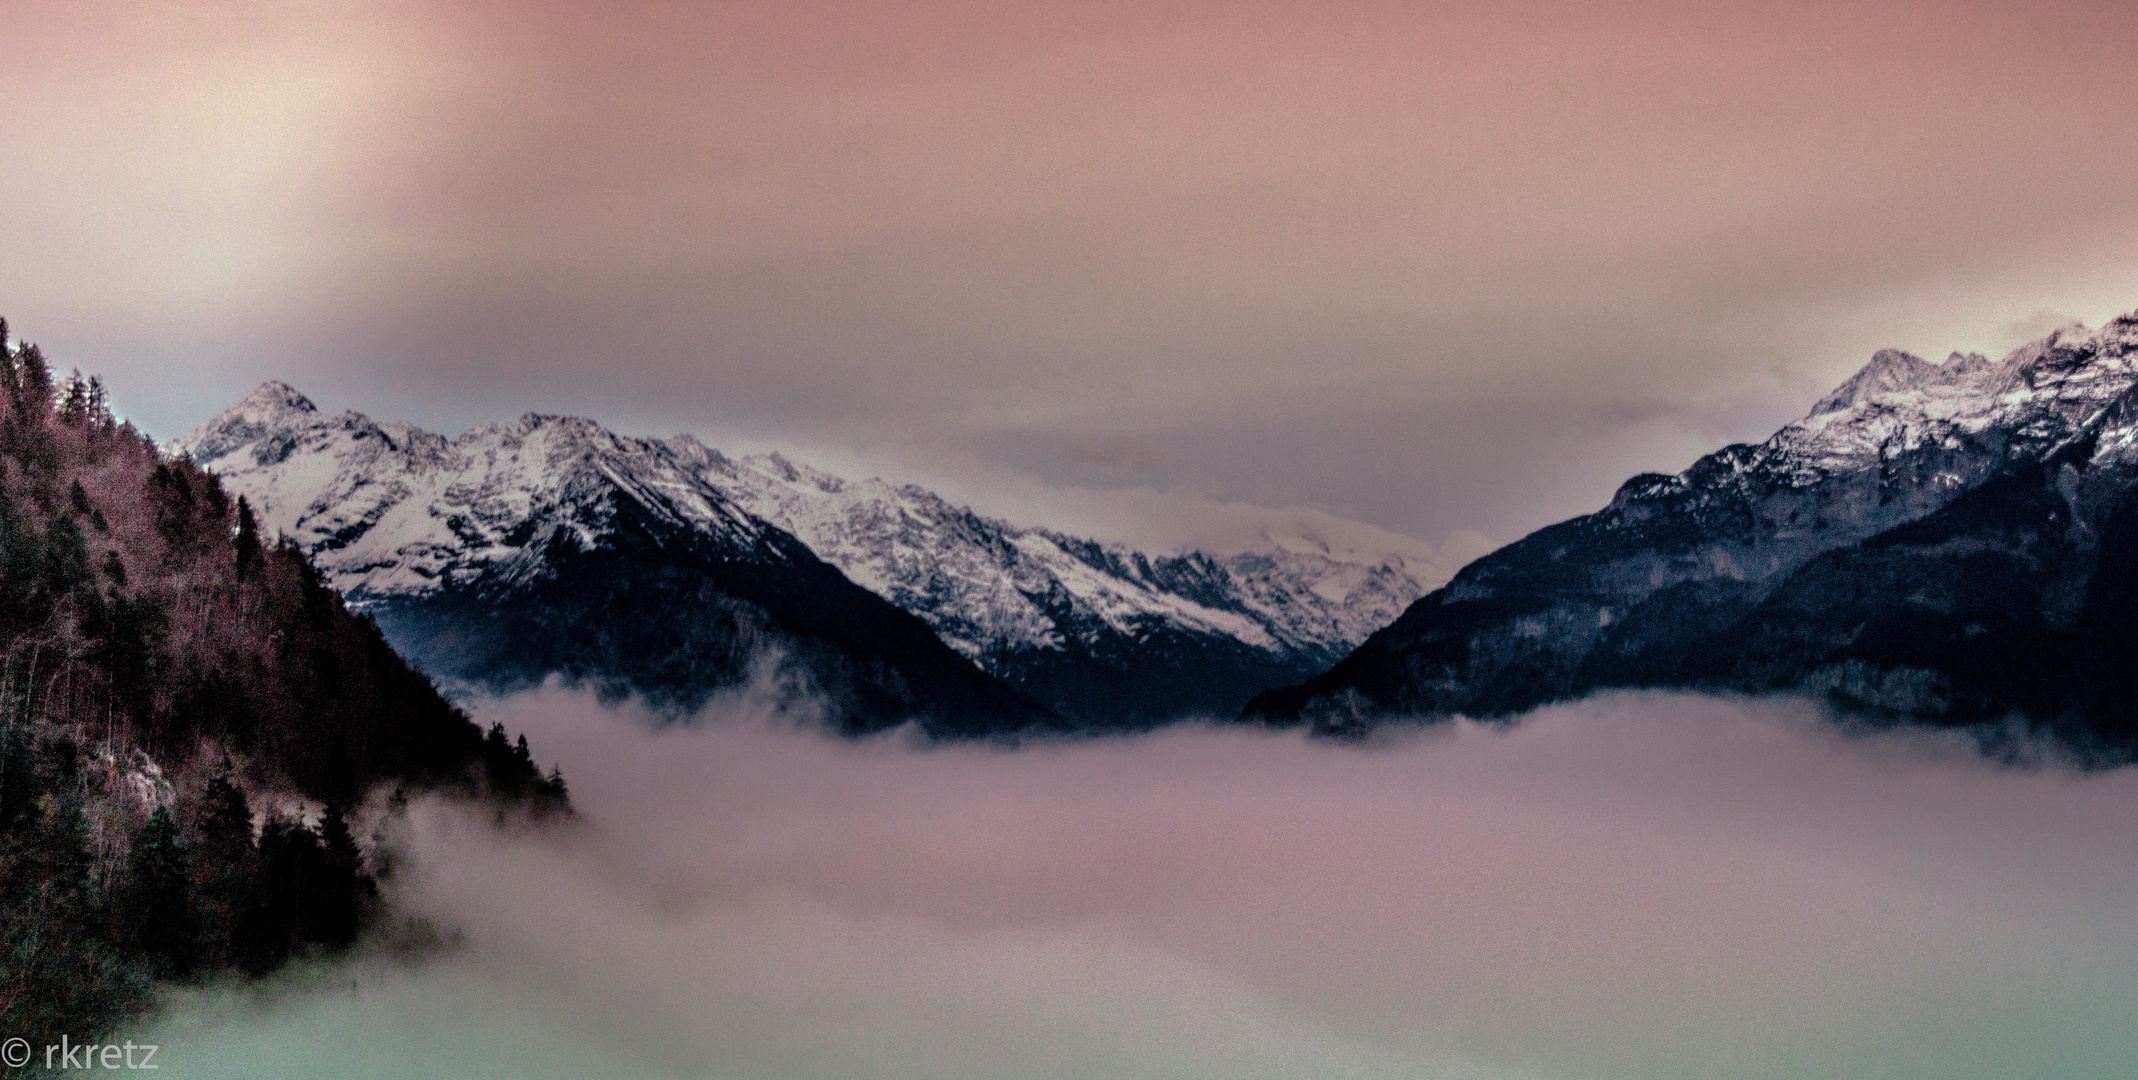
x=159 y=896
x=349 y=890
x=267 y=926
x=299 y=899
x=33 y=384
x=226 y=870
x=84 y=402
x=498 y=761
x=249 y=553
x=226 y=820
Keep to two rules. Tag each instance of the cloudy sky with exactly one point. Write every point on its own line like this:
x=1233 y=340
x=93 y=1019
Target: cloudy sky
x=1439 y=267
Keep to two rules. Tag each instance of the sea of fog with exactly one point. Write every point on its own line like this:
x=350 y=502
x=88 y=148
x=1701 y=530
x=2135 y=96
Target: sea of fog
x=1638 y=886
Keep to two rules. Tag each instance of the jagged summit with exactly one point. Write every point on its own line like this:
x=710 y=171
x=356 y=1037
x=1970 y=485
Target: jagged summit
x=275 y=395
x=1892 y=371
x=274 y=406
x=1984 y=410
x=391 y=510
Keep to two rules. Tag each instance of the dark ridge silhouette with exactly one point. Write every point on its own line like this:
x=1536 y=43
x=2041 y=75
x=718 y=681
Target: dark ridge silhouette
x=1986 y=580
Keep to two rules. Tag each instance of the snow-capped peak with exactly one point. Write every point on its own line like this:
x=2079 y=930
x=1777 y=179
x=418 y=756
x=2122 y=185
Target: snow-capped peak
x=1838 y=473
x=2036 y=396
x=392 y=510
x=274 y=406
x=275 y=397
x=1892 y=371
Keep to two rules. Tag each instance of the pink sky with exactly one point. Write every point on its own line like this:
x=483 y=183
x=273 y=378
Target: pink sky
x=1439 y=266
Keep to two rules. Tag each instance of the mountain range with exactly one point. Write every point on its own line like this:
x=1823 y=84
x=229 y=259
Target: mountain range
x=1950 y=543
x=665 y=568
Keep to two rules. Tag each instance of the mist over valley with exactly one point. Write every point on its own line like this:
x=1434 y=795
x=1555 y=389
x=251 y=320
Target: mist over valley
x=1635 y=886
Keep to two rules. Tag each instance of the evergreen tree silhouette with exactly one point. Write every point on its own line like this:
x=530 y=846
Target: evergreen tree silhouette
x=249 y=552
x=349 y=891
x=226 y=866
x=159 y=895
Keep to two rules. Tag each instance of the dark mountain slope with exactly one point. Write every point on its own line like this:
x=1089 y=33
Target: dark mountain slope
x=2015 y=600
x=660 y=609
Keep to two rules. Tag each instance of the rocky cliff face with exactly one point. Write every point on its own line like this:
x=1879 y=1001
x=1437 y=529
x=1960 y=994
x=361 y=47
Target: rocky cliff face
x=439 y=537
x=1933 y=542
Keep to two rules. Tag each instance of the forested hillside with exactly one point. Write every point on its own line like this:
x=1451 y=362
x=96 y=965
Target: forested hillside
x=188 y=719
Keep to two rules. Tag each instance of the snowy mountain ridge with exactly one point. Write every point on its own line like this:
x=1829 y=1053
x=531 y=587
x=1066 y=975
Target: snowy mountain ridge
x=2038 y=393
x=986 y=584
x=389 y=512
x=1897 y=440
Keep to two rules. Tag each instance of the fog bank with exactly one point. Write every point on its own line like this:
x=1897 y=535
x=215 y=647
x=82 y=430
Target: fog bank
x=1639 y=886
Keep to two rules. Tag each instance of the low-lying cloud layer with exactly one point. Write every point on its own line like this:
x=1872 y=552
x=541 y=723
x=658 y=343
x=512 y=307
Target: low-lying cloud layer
x=1642 y=886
